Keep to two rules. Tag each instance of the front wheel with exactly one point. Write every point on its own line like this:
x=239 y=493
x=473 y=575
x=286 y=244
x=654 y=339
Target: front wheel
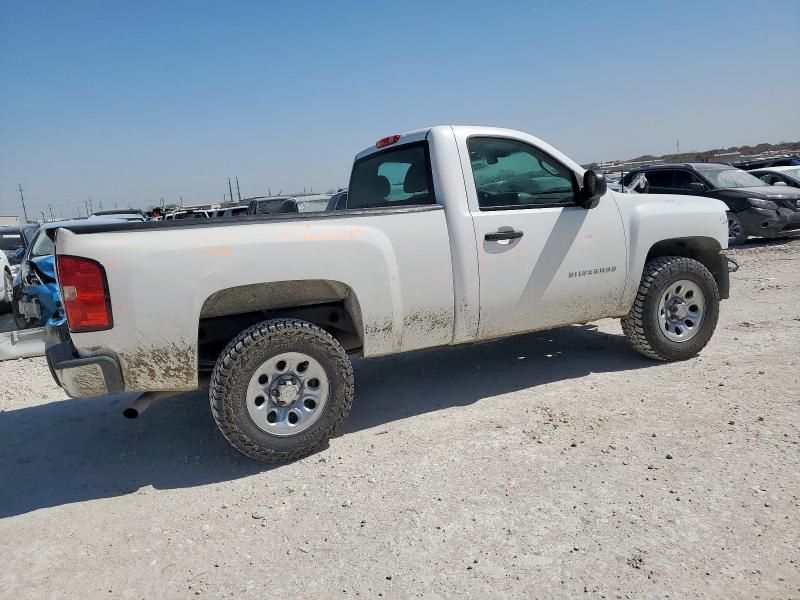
x=675 y=311
x=736 y=232
x=280 y=389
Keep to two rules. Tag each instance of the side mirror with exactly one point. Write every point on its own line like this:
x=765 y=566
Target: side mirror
x=594 y=186
x=780 y=183
x=19 y=253
x=698 y=187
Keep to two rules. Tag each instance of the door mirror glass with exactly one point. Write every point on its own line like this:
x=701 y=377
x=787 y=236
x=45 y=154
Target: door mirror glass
x=594 y=186
x=696 y=186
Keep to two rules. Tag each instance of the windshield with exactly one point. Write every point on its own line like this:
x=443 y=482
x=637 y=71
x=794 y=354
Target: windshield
x=731 y=178
x=793 y=173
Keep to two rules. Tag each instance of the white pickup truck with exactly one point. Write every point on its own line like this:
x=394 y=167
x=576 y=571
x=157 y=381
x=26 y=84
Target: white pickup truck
x=450 y=235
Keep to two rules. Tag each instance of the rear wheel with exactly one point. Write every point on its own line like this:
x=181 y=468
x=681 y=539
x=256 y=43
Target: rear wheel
x=736 y=232
x=280 y=389
x=675 y=311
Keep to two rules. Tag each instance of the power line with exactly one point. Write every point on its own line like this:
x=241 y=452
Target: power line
x=22 y=199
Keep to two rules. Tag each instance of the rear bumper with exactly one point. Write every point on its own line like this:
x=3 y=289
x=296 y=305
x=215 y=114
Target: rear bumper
x=83 y=377
x=770 y=223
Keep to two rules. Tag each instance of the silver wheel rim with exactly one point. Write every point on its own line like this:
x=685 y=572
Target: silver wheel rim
x=734 y=228
x=287 y=393
x=681 y=310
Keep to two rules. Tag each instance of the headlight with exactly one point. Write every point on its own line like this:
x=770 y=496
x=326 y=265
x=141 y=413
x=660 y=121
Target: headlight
x=759 y=203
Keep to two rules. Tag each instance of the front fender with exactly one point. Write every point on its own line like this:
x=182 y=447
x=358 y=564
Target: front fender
x=651 y=219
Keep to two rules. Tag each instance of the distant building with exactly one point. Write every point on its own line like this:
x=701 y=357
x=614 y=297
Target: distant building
x=9 y=220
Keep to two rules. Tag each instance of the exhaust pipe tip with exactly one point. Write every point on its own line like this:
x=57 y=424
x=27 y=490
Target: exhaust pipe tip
x=130 y=413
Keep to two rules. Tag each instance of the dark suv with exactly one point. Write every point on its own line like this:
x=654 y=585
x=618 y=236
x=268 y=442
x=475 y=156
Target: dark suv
x=754 y=207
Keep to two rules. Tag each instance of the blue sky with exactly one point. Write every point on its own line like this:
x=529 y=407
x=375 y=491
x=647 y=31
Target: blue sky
x=132 y=101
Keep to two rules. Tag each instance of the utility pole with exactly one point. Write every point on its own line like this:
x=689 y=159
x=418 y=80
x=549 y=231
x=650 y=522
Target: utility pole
x=44 y=219
x=91 y=206
x=230 y=189
x=162 y=201
x=52 y=218
x=181 y=198
x=86 y=206
x=238 y=193
x=22 y=199
x=101 y=205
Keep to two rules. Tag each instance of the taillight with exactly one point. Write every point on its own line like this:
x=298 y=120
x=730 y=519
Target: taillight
x=387 y=141
x=84 y=294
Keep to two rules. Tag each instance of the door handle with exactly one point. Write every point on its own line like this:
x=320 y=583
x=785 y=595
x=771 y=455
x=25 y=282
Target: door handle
x=503 y=235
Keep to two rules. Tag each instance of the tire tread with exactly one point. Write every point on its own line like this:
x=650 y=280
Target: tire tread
x=221 y=381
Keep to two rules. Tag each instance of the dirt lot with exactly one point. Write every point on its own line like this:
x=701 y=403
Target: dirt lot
x=558 y=464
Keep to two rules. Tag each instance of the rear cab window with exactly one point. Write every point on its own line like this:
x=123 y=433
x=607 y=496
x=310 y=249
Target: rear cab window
x=394 y=177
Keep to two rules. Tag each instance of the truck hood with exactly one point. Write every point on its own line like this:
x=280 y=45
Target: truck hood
x=675 y=201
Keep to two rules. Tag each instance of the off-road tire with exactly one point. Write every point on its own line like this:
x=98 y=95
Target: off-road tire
x=741 y=236
x=236 y=365
x=641 y=325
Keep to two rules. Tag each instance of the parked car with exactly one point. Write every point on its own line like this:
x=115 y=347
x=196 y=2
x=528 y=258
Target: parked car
x=268 y=206
x=233 y=211
x=754 y=207
x=127 y=214
x=761 y=163
x=779 y=176
x=36 y=298
x=288 y=204
x=338 y=201
x=12 y=240
x=6 y=279
x=423 y=257
x=187 y=214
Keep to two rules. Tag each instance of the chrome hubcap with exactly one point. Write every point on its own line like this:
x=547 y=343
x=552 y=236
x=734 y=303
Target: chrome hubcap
x=681 y=310
x=287 y=393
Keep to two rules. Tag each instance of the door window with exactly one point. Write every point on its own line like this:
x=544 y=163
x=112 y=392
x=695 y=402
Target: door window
x=661 y=178
x=769 y=178
x=683 y=179
x=510 y=174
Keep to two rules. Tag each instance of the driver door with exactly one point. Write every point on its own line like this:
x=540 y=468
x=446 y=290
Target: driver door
x=543 y=260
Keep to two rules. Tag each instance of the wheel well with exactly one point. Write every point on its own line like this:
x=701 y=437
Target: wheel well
x=331 y=305
x=702 y=249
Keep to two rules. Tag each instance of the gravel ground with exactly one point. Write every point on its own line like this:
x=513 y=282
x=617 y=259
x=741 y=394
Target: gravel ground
x=552 y=465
